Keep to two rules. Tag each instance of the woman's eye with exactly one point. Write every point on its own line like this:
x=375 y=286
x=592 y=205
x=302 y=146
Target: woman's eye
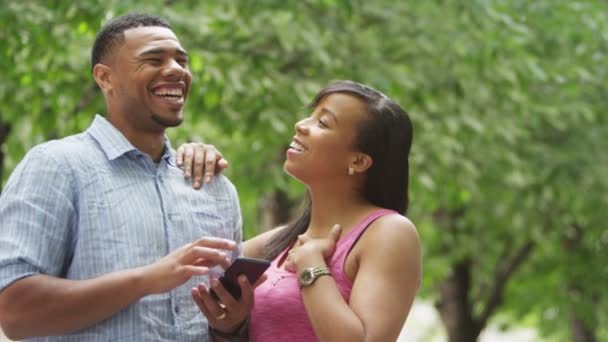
x=322 y=124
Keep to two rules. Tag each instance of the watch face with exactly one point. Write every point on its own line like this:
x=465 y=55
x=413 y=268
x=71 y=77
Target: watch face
x=309 y=275
x=306 y=276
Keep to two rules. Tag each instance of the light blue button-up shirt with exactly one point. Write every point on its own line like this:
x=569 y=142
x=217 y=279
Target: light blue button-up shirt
x=91 y=204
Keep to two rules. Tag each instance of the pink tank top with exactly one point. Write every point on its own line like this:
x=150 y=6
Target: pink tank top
x=279 y=313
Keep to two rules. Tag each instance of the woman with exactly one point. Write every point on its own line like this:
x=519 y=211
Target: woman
x=357 y=282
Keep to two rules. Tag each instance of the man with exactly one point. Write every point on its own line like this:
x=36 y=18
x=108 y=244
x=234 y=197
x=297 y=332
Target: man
x=101 y=238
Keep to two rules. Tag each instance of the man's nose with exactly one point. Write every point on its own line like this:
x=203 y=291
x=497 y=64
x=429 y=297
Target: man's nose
x=174 y=69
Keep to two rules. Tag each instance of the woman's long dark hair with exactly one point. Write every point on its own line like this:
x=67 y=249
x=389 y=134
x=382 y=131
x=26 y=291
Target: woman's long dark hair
x=386 y=135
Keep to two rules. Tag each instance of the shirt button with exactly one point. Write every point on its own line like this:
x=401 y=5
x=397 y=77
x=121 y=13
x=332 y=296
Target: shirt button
x=176 y=309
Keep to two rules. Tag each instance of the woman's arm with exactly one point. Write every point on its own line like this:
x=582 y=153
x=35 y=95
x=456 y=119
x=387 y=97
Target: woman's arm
x=388 y=276
x=254 y=247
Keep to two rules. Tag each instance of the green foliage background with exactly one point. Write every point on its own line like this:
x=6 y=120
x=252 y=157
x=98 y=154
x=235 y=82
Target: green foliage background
x=507 y=98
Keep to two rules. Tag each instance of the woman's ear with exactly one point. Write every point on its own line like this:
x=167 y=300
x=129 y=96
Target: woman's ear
x=102 y=74
x=361 y=162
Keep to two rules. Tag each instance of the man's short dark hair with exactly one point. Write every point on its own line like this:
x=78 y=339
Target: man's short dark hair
x=112 y=33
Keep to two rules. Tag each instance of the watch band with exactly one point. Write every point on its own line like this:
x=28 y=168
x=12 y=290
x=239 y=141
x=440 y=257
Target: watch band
x=309 y=275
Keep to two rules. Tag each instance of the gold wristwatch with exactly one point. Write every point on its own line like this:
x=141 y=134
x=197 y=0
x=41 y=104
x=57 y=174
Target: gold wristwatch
x=309 y=275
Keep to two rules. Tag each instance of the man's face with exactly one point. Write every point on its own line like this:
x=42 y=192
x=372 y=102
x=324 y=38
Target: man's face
x=150 y=77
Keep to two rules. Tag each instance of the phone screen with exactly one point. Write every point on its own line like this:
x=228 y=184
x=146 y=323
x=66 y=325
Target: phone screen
x=250 y=267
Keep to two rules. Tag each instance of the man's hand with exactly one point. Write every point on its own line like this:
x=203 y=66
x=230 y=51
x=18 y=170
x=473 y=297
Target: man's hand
x=193 y=259
x=198 y=159
x=228 y=315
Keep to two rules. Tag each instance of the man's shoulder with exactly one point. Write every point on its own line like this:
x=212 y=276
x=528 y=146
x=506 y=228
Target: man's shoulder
x=71 y=148
x=221 y=189
x=222 y=183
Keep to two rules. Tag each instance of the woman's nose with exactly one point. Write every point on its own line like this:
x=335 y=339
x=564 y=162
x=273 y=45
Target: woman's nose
x=301 y=127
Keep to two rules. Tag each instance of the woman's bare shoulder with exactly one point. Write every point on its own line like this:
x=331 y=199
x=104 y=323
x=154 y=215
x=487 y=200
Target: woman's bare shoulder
x=392 y=233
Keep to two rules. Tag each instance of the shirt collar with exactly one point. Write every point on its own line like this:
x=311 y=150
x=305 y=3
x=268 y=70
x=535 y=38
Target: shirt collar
x=114 y=144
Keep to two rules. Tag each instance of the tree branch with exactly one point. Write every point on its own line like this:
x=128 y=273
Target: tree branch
x=500 y=280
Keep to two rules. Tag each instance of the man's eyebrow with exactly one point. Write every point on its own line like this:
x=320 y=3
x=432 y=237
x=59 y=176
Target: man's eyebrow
x=327 y=111
x=158 y=51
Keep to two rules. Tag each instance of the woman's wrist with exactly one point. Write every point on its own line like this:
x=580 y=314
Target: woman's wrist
x=237 y=334
x=310 y=260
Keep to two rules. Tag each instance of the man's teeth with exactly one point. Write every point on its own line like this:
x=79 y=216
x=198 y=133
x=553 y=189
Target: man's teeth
x=169 y=92
x=296 y=146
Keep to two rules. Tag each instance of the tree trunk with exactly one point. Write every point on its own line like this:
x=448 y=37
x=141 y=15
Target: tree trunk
x=274 y=210
x=581 y=332
x=455 y=307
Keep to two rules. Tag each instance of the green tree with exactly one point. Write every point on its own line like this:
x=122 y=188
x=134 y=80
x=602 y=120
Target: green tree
x=506 y=97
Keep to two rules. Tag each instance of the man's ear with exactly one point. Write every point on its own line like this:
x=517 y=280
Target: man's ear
x=361 y=162
x=102 y=74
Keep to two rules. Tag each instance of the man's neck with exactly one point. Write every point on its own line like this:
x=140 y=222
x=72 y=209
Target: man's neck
x=150 y=143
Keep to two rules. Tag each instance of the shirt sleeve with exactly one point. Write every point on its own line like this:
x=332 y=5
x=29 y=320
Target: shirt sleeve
x=37 y=214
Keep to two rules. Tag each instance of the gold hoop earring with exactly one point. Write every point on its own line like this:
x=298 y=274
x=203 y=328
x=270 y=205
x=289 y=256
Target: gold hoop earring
x=351 y=171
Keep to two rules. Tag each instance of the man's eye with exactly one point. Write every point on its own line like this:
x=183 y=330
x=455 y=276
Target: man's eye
x=154 y=60
x=182 y=62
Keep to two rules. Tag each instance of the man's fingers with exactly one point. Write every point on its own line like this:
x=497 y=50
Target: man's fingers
x=196 y=270
x=223 y=263
x=212 y=242
x=211 y=256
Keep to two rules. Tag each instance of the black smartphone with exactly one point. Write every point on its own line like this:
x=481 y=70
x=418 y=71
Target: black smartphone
x=250 y=267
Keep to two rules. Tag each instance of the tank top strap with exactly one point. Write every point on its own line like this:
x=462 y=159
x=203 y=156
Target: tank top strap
x=346 y=243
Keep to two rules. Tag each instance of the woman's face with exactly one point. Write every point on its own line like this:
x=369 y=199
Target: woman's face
x=324 y=143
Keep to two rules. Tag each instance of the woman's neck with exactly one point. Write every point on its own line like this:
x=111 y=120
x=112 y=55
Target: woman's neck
x=331 y=207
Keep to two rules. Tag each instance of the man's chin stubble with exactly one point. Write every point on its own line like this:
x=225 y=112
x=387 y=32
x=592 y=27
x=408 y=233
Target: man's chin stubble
x=168 y=122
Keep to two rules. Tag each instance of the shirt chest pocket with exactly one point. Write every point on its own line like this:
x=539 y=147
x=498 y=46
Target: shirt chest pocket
x=207 y=223
x=199 y=224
